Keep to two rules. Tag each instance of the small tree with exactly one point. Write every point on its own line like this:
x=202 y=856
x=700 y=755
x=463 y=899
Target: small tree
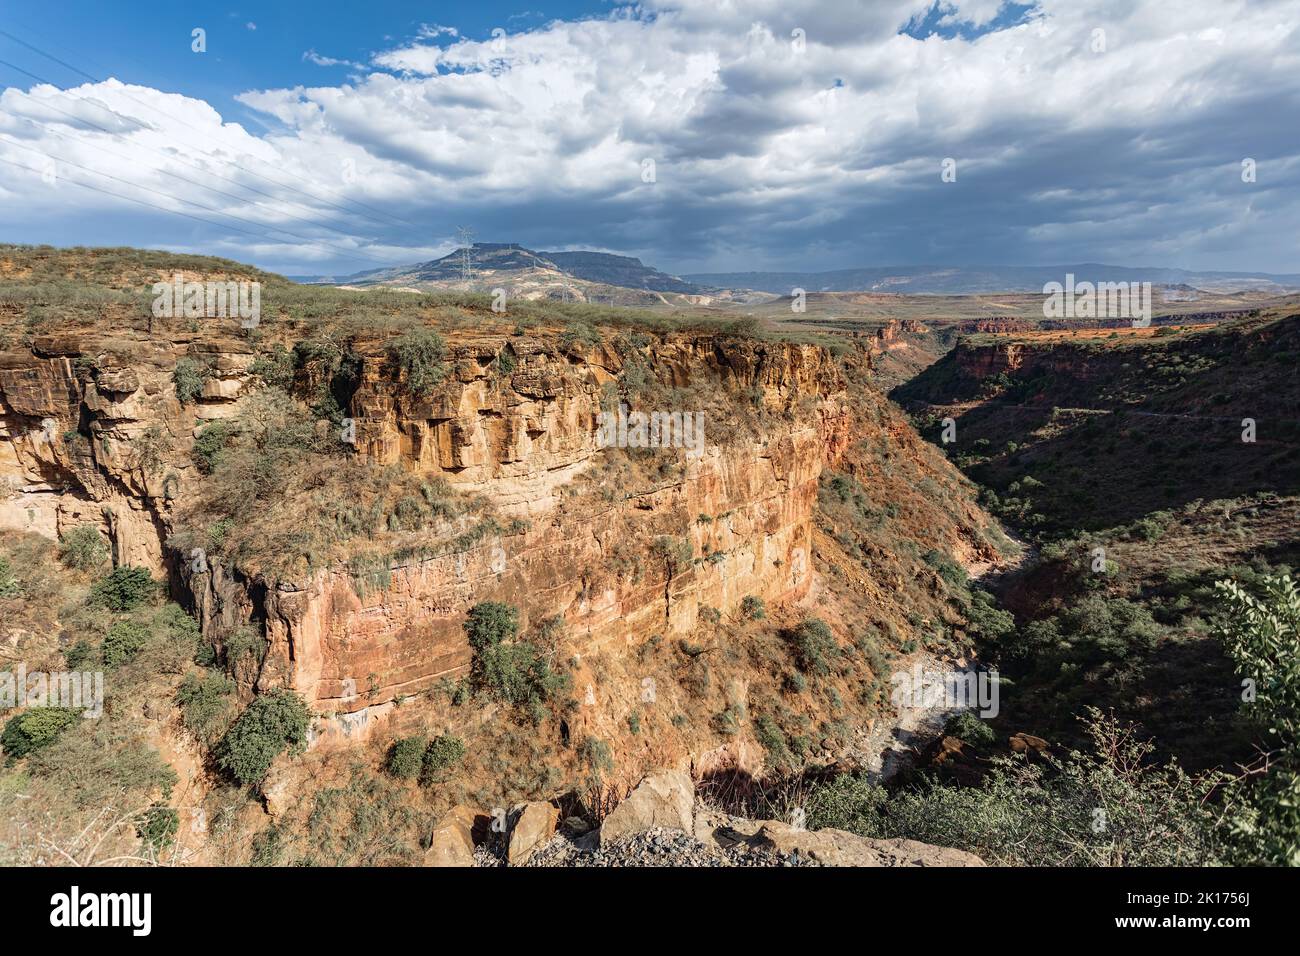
x=1262 y=636
x=419 y=353
x=405 y=758
x=157 y=827
x=444 y=752
x=814 y=646
x=34 y=729
x=516 y=672
x=189 y=377
x=122 y=642
x=124 y=588
x=271 y=724
x=490 y=623
x=83 y=548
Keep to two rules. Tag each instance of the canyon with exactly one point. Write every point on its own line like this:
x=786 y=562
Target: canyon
x=80 y=417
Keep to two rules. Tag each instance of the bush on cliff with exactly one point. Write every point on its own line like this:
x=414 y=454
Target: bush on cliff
x=208 y=446
x=419 y=353
x=206 y=702
x=123 y=641
x=34 y=729
x=271 y=724
x=123 y=589
x=83 y=548
x=10 y=586
x=814 y=646
x=189 y=378
x=444 y=751
x=514 y=671
x=405 y=757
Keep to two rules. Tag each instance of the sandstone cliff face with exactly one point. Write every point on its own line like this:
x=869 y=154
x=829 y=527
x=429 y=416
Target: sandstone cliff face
x=91 y=431
x=980 y=361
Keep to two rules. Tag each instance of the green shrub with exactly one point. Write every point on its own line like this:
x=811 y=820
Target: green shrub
x=1096 y=630
x=516 y=672
x=275 y=368
x=9 y=584
x=597 y=756
x=986 y=621
x=123 y=641
x=189 y=377
x=970 y=728
x=444 y=751
x=579 y=335
x=753 y=608
x=157 y=827
x=83 y=548
x=123 y=589
x=80 y=655
x=814 y=646
x=953 y=574
x=491 y=622
x=1262 y=636
x=34 y=729
x=208 y=446
x=773 y=740
x=1108 y=806
x=271 y=724
x=405 y=757
x=419 y=353
x=206 y=703
x=847 y=802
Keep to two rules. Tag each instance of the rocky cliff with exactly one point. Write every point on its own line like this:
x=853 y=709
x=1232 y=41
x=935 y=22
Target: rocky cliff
x=93 y=432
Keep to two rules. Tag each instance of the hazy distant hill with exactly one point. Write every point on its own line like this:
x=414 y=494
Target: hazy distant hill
x=974 y=279
x=592 y=276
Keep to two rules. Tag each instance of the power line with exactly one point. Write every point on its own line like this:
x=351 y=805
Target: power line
x=165 y=155
x=219 y=192
x=191 y=202
x=177 y=119
x=142 y=202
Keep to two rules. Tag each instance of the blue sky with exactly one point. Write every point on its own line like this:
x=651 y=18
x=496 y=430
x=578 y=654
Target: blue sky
x=700 y=135
x=252 y=47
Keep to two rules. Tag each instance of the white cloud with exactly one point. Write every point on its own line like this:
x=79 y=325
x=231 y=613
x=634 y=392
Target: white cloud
x=766 y=148
x=311 y=56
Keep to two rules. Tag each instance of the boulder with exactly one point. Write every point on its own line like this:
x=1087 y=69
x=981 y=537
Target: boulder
x=665 y=799
x=452 y=843
x=1026 y=743
x=841 y=848
x=535 y=825
x=280 y=789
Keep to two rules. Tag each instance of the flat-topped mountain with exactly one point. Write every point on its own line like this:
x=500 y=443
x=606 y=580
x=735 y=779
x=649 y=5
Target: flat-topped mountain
x=525 y=273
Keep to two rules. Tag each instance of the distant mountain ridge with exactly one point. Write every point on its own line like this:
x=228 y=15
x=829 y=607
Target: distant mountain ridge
x=965 y=280
x=500 y=259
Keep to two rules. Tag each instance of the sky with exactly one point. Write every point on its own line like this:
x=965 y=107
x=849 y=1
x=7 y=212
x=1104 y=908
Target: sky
x=325 y=138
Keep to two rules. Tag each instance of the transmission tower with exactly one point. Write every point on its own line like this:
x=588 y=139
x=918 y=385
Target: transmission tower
x=465 y=236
